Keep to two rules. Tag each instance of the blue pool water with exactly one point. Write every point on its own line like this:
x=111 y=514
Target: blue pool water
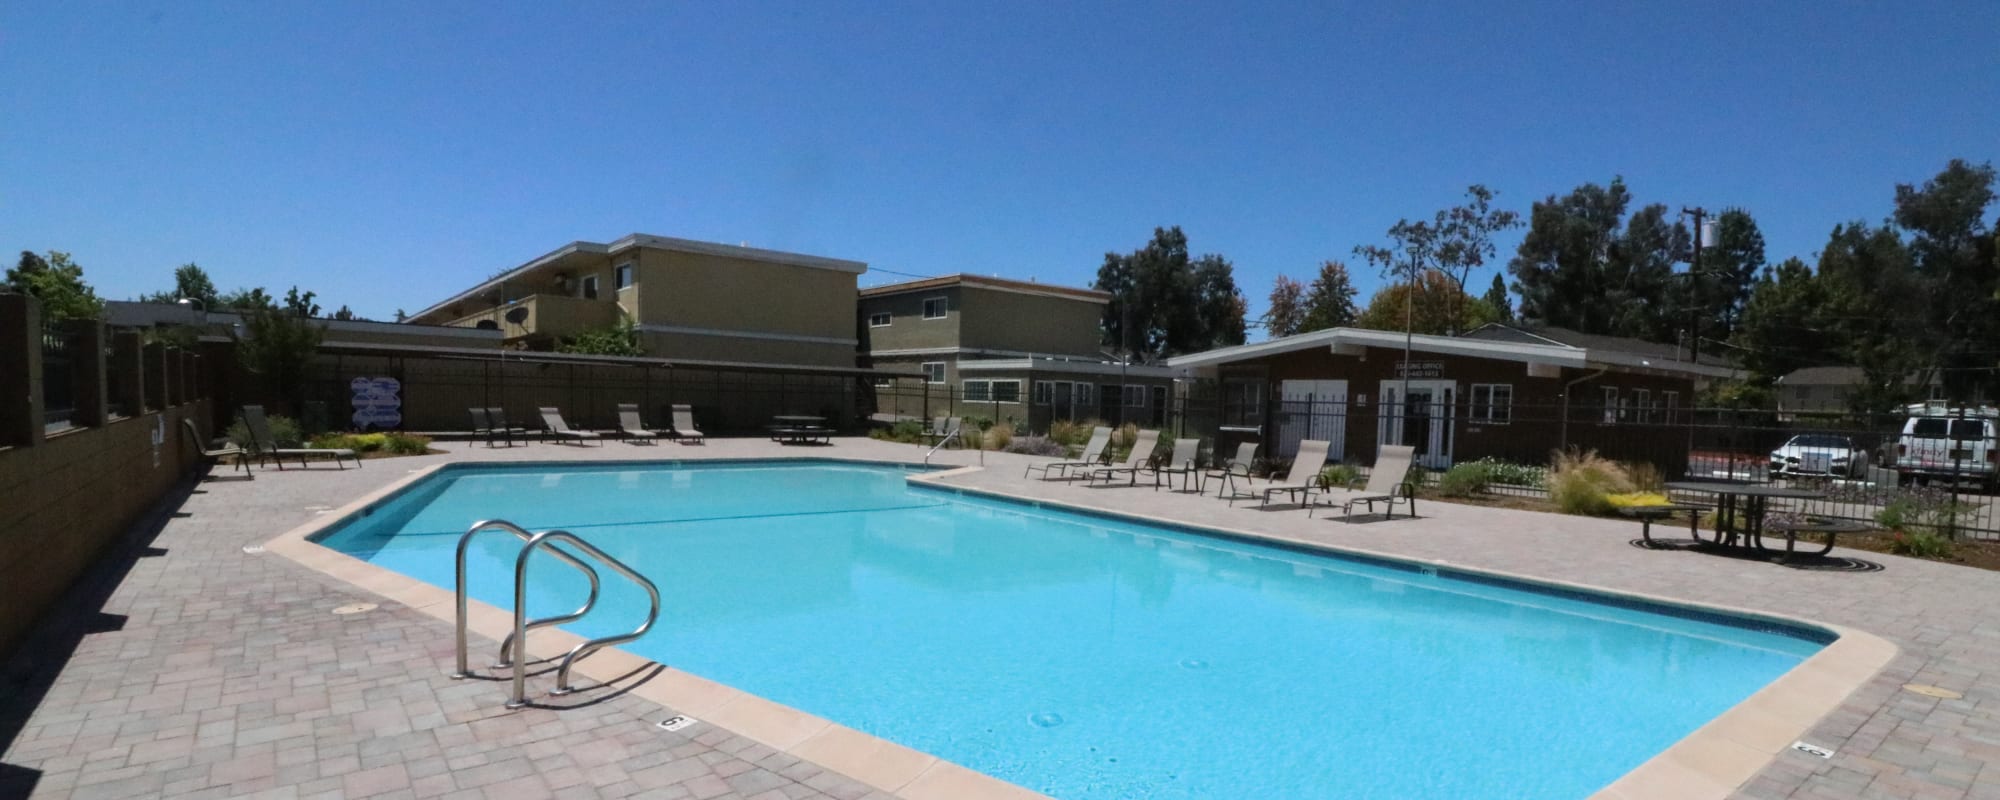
x=1090 y=658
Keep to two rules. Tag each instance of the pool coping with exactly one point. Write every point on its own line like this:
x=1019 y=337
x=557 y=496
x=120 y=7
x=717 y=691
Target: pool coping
x=1710 y=762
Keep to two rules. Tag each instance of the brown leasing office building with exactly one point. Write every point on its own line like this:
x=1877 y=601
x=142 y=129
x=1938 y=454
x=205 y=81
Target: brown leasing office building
x=1499 y=391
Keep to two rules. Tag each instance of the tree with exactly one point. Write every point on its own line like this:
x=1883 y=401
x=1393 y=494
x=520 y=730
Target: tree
x=1496 y=299
x=1872 y=311
x=1438 y=307
x=1781 y=330
x=247 y=300
x=190 y=281
x=1219 y=307
x=1730 y=266
x=1287 y=313
x=1457 y=241
x=1953 y=257
x=620 y=339
x=301 y=304
x=278 y=344
x=1583 y=266
x=346 y=313
x=1330 y=304
x=57 y=282
x=1153 y=292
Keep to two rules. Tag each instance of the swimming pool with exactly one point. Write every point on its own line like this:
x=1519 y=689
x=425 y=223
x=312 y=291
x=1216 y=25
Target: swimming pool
x=1088 y=657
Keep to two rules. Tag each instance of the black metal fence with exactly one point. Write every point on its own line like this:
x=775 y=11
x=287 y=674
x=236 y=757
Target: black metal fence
x=59 y=376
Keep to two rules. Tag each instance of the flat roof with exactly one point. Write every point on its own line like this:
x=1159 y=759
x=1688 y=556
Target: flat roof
x=647 y=240
x=1551 y=353
x=545 y=357
x=987 y=282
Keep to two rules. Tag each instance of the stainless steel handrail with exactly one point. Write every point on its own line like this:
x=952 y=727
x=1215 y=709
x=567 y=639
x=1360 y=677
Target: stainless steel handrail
x=520 y=635
x=506 y=645
x=954 y=433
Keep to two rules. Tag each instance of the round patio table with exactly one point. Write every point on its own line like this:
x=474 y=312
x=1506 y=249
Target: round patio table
x=1740 y=507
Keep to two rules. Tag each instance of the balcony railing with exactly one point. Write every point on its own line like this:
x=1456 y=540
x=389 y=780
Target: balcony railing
x=550 y=315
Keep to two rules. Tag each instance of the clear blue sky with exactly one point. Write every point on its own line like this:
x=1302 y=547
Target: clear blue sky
x=389 y=155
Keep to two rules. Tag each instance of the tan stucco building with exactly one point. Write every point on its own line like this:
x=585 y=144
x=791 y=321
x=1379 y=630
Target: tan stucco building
x=1003 y=349
x=688 y=300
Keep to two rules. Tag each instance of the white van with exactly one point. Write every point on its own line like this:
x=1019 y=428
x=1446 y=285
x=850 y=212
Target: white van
x=1942 y=444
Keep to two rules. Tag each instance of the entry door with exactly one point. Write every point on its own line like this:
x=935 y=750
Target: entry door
x=1312 y=410
x=1061 y=405
x=1424 y=420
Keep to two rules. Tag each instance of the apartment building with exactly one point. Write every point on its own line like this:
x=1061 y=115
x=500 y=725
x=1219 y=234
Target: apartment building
x=1003 y=349
x=689 y=301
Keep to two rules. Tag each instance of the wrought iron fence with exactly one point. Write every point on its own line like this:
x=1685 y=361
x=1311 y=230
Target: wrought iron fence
x=59 y=374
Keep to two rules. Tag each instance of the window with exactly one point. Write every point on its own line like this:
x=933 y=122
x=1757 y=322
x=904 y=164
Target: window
x=879 y=320
x=1160 y=397
x=1083 y=394
x=1643 y=400
x=884 y=382
x=1045 y=392
x=1242 y=402
x=1669 y=400
x=1135 y=395
x=1493 y=403
x=622 y=275
x=936 y=307
x=590 y=288
x=1610 y=404
x=984 y=391
x=933 y=371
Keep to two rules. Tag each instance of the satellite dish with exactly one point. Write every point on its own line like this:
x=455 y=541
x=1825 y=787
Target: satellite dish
x=517 y=314
x=487 y=325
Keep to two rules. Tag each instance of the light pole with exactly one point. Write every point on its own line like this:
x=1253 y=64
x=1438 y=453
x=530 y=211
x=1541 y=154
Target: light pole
x=1694 y=284
x=195 y=306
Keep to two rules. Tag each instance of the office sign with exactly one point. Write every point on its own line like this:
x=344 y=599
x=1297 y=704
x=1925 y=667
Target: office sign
x=1419 y=369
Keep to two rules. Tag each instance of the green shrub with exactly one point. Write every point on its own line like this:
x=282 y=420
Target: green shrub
x=1339 y=475
x=284 y=432
x=392 y=442
x=1582 y=482
x=1920 y=544
x=1508 y=473
x=1465 y=480
x=408 y=444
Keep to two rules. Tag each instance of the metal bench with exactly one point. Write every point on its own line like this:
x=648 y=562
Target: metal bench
x=1647 y=514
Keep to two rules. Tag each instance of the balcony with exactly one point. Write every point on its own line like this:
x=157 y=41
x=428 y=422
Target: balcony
x=549 y=316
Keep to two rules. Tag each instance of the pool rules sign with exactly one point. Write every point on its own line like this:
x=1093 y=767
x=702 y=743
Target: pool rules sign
x=378 y=403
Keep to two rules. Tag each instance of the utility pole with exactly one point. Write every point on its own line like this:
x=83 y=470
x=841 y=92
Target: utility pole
x=1694 y=286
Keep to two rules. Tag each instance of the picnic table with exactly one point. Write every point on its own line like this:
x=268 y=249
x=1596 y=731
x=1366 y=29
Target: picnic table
x=799 y=429
x=1741 y=507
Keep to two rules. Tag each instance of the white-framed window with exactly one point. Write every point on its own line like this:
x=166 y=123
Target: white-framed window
x=1045 y=393
x=1083 y=394
x=1610 y=404
x=1242 y=401
x=1642 y=399
x=621 y=275
x=991 y=391
x=879 y=319
x=936 y=307
x=1135 y=395
x=1493 y=403
x=933 y=371
x=884 y=381
x=590 y=287
x=1670 y=400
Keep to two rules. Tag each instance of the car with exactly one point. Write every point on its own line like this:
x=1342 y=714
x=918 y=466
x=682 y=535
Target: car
x=1821 y=454
x=1948 y=447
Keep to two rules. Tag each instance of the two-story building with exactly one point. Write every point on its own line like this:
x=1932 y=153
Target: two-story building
x=1002 y=349
x=687 y=300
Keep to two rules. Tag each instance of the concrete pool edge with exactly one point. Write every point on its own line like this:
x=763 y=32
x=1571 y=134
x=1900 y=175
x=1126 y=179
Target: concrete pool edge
x=877 y=762
x=1710 y=762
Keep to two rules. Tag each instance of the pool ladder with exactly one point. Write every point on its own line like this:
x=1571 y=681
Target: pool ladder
x=513 y=649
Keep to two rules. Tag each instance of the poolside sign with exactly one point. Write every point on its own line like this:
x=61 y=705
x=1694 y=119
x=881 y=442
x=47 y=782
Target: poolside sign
x=378 y=402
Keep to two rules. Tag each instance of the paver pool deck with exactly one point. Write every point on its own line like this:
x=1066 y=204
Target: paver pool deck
x=185 y=666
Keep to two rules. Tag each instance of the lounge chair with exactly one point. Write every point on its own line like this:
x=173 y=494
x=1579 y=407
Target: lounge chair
x=630 y=425
x=944 y=428
x=684 y=429
x=1302 y=478
x=1388 y=482
x=482 y=425
x=1185 y=462
x=215 y=454
x=1142 y=451
x=266 y=446
x=554 y=425
x=1237 y=467
x=1093 y=455
x=504 y=429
